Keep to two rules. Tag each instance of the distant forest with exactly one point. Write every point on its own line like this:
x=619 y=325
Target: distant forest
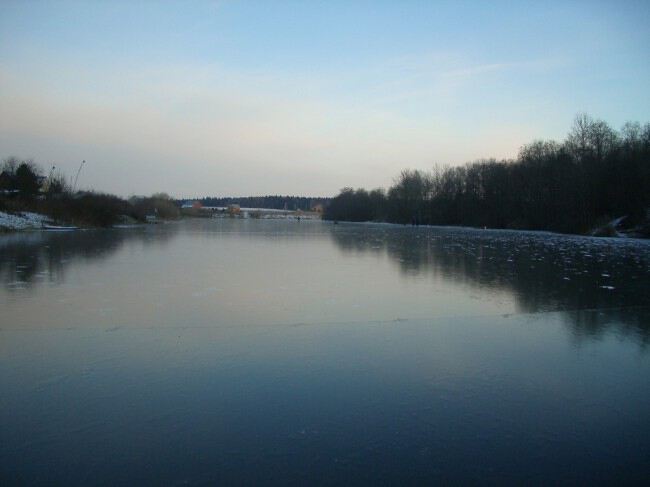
x=596 y=174
x=271 y=202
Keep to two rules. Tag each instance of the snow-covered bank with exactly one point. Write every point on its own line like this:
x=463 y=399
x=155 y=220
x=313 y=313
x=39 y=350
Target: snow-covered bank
x=22 y=221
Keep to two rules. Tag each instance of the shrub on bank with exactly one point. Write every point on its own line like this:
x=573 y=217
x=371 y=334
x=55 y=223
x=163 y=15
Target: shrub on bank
x=23 y=187
x=85 y=209
x=160 y=204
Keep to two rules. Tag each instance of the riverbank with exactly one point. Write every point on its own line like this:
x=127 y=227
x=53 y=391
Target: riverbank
x=83 y=210
x=623 y=235
x=26 y=221
x=23 y=221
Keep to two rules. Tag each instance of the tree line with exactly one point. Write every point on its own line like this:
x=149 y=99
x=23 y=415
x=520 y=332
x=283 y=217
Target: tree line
x=595 y=174
x=24 y=187
x=271 y=202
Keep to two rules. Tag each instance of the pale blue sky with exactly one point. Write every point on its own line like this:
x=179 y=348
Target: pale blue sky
x=236 y=98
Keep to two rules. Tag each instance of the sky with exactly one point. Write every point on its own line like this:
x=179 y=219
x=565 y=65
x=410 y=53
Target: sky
x=234 y=98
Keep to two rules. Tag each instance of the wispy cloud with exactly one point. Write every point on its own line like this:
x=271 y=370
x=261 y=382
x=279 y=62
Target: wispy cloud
x=530 y=66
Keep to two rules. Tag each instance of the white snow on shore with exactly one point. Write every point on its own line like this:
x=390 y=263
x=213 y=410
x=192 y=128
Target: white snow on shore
x=22 y=221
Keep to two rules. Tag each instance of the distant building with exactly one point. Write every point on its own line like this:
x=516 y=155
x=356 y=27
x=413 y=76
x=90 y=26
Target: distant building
x=152 y=217
x=196 y=205
x=234 y=209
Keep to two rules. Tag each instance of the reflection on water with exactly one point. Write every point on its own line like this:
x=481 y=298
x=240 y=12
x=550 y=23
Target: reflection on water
x=261 y=352
x=33 y=258
x=598 y=283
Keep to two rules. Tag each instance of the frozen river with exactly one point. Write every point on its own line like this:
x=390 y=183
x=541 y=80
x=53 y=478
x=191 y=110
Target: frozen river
x=284 y=352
